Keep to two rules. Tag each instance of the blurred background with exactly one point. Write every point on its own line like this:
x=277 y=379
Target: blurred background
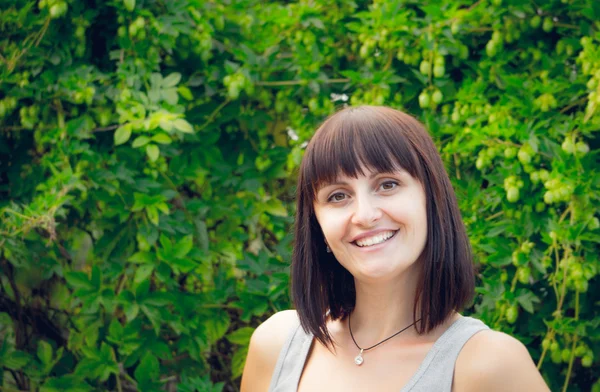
x=148 y=156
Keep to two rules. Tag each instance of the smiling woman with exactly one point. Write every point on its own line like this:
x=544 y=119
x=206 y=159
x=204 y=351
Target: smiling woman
x=381 y=267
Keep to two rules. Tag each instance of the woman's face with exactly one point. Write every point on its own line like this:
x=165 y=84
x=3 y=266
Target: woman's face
x=376 y=224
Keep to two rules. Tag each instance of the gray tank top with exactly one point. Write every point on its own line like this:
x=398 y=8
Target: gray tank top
x=434 y=374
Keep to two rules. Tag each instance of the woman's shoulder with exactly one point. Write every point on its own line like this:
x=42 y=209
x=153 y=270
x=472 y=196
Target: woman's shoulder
x=495 y=361
x=265 y=345
x=273 y=332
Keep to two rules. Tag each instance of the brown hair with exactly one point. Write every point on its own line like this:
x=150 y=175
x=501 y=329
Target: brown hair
x=384 y=140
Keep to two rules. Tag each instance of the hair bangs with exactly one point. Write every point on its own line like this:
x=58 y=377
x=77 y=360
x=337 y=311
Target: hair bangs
x=351 y=145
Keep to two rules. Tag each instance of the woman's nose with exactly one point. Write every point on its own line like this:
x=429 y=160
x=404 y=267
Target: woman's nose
x=367 y=212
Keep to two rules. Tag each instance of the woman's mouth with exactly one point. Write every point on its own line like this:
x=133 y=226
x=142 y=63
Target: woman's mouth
x=376 y=239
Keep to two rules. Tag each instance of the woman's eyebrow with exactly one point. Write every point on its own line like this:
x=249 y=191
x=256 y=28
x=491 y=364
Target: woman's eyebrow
x=334 y=183
x=324 y=185
x=391 y=173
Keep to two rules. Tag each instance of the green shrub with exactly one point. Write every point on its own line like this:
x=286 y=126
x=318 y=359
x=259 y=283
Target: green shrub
x=148 y=159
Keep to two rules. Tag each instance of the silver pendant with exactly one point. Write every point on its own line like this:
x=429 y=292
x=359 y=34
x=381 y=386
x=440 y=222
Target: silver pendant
x=358 y=360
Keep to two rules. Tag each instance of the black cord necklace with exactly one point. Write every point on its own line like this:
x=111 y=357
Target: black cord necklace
x=358 y=360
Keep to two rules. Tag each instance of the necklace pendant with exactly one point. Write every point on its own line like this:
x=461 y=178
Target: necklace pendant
x=358 y=360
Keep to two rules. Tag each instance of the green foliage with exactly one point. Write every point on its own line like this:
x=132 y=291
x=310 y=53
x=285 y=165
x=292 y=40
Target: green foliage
x=148 y=159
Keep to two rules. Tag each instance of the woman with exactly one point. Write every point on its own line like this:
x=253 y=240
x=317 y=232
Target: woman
x=381 y=267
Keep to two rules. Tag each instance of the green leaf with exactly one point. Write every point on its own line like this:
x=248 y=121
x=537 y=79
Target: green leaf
x=185 y=92
x=275 y=207
x=184 y=246
x=156 y=79
x=202 y=233
x=241 y=336
x=68 y=383
x=170 y=95
x=238 y=361
x=183 y=126
x=44 y=352
x=162 y=138
x=165 y=243
x=143 y=272
x=152 y=151
x=217 y=326
x=142 y=258
x=122 y=134
x=140 y=141
x=16 y=360
x=172 y=80
x=154 y=316
x=129 y=5
x=131 y=311
x=185 y=265
x=527 y=299
x=96 y=278
x=115 y=330
x=148 y=369
x=78 y=280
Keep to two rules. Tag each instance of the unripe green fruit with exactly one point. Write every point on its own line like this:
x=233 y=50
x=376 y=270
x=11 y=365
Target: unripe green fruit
x=510 y=152
x=592 y=84
x=540 y=207
x=58 y=10
x=480 y=163
x=511 y=314
x=425 y=67
x=535 y=21
x=580 y=351
x=582 y=148
x=524 y=157
x=581 y=285
x=512 y=194
x=455 y=27
x=523 y=274
x=554 y=346
x=555 y=357
x=80 y=32
x=546 y=343
x=548 y=24
x=439 y=71
x=587 y=361
x=424 y=100
x=497 y=37
x=455 y=116
x=437 y=96
x=565 y=355
x=568 y=146
x=490 y=49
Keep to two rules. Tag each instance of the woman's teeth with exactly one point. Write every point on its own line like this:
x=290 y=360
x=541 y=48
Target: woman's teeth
x=376 y=239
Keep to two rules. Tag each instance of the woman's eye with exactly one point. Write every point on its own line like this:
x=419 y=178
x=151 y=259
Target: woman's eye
x=388 y=185
x=337 y=197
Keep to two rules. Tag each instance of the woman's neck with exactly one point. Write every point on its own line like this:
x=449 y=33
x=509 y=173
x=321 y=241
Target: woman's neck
x=382 y=309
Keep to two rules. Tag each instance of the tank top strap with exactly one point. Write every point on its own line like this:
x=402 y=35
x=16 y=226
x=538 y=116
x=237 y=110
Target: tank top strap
x=437 y=370
x=291 y=360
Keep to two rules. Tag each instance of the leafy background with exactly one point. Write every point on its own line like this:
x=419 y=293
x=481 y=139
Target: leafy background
x=147 y=161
